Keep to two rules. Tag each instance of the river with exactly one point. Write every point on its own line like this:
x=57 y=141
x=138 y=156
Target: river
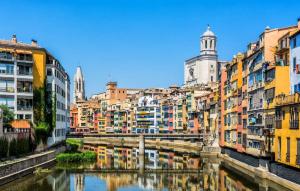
x=118 y=168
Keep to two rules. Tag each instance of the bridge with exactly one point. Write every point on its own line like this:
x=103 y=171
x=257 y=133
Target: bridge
x=141 y=137
x=131 y=135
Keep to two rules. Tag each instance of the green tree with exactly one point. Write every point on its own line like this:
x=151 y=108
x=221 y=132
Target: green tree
x=8 y=115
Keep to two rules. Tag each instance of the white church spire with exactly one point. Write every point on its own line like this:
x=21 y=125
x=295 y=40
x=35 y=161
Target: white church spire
x=208 y=43
x=79 y=86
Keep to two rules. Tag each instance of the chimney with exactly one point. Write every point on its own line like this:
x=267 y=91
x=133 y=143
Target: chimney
x=298 y=23
x=14 y=38
x=34 y=42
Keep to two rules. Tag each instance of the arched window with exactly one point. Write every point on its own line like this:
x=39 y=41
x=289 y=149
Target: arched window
x=205 y=43
x=211 y=44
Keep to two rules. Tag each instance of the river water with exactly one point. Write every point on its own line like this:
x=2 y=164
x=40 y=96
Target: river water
x=118 y=168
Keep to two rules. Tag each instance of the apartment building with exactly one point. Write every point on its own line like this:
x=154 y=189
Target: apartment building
x=24 y=82
x=148 y=115
x=58 y=85
x=295 y=60
x=263 y=73
x=287 y=132
x=287 y=106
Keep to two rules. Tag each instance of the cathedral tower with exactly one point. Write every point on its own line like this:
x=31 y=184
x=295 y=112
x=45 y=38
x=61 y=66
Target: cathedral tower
x=79 y=86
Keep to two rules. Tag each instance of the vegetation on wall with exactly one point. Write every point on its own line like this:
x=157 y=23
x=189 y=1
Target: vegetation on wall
x=88 y=156
x=74 y=144
x=44 y=109
x=8 y=116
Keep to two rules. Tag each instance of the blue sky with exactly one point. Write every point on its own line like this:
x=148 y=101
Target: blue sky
x=139 y=43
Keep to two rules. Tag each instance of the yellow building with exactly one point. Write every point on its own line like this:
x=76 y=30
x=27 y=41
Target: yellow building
x=287 y=132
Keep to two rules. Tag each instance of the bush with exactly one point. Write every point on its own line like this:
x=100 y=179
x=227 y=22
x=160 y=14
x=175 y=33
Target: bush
x=22 y=146
x=42 y=132
x=19 y=147
x=76 y=157
x=74 y=144
x=3 y=147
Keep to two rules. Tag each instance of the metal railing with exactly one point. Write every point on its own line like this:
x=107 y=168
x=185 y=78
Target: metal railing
x=294 y=124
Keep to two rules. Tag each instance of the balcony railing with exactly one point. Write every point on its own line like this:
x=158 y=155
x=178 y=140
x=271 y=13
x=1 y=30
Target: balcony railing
x=5 y=55
x=287 y=157
x=287 y=100
x=24 y=89
x=24 y=108
x=294 y=124
x=24 y=73
x=7 y=89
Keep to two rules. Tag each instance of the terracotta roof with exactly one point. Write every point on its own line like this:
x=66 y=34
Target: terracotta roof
x=20 y=124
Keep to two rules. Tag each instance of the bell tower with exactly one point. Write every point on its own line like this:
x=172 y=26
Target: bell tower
x=208 y=43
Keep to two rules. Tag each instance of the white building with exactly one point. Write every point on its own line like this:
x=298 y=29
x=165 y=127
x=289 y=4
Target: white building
x=148 y=115
x=203 y=69
x=58 y=82
x=295 y=61
x=79 y=86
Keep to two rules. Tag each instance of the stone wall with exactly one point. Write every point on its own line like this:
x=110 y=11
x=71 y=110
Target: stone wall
x=248 y=159
x=20 y=167
x=283 y=171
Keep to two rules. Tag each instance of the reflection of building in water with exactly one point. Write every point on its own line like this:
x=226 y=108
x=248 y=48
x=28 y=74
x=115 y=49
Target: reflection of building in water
x=59 y=180
x=151 y=157
x=210 y=177
x=227 y=182
x=166 y=159
x=79 y=182
x=122 y=158
x=115 y=181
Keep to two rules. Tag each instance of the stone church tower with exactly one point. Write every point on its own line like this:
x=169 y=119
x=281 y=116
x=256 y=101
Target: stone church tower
x=203 y=69
x=79 y=86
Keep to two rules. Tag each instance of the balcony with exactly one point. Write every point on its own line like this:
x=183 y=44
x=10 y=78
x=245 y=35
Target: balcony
x=25 y=57
x=7 y=89
x=24 y=107
x=282 y=100
x=255 y=86
x=6 y=56
x=294 y=124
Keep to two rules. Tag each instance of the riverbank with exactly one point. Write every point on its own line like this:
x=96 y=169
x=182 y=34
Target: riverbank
x=12 y=170
x=258 y=173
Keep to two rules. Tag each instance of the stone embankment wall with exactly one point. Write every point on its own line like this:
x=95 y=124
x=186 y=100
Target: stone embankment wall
x=262 y=169
x=12 y=170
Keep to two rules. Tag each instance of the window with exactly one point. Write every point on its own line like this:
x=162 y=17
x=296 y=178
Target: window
x=239 y=138
x=294 y=63
x=298 y=152
x=279 y=148
x=49 y=72
x=294 y=42
x=288 y=143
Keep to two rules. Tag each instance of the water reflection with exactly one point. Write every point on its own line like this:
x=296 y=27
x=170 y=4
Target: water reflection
x=117 y=169
x=128 y=158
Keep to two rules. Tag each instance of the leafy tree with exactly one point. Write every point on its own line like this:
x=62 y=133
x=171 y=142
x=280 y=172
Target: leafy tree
x=8 y=115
